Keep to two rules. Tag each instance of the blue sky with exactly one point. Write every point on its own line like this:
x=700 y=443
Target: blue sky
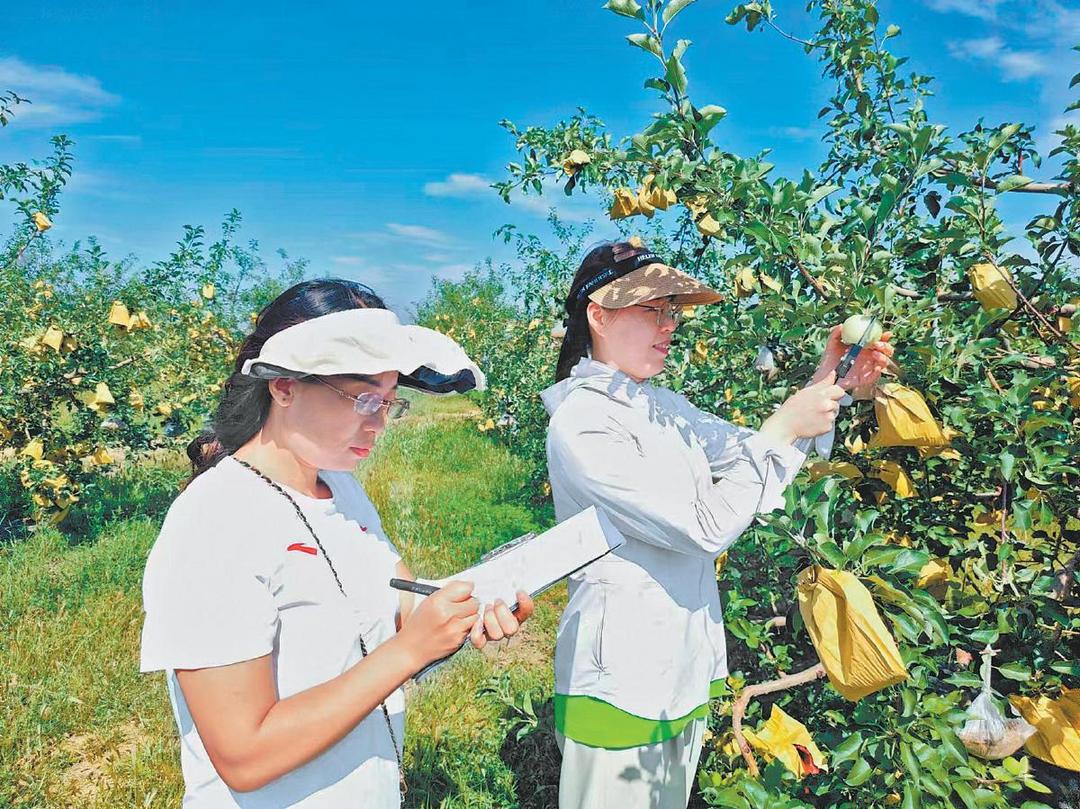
x=362 y=136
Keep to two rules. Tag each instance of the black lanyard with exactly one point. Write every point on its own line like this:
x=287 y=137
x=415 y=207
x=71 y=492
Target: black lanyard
x=363 y=646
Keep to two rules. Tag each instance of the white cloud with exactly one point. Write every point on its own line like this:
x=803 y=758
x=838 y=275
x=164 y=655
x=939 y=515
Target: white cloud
x=347 y=261
x=56 y=96
x=1050 y=20
x=985 y=48
x=460 y=184
x=1014 y=65
x=420 y=233
x=799 y=133
x=983 y=9
x=1023 y=64
x=98 y=184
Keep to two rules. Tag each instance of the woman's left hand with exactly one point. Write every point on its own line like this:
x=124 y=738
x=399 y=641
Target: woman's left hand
x=499 y=622
x=868 y=366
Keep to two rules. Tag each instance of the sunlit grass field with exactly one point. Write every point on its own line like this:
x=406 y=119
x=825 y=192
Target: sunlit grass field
x=81 y=727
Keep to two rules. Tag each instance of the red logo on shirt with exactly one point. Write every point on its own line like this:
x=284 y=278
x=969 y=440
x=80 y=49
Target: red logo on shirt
x=300 y=546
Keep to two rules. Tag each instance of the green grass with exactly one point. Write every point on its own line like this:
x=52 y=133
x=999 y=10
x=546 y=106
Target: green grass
x=81 y=727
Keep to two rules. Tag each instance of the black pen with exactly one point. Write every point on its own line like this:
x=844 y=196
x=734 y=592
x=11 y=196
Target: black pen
x=422 y=589
x=413 y=587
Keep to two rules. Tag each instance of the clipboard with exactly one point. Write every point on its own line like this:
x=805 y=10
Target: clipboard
x=535 y=563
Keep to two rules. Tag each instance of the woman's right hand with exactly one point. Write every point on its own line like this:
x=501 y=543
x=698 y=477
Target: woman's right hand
x=438 y=626
x=807 y=413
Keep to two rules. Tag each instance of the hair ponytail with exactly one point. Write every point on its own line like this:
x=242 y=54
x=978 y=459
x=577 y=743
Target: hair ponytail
x=245 y=400
x=576 y=344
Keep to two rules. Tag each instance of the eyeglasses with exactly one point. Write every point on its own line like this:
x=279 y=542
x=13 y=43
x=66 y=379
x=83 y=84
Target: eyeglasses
x=667 y=313
x=367 y=404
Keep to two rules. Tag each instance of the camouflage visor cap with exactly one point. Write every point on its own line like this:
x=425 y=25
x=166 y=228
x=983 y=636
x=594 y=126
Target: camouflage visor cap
x=654 y=280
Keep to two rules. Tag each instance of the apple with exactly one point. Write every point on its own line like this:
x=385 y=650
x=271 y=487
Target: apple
x=855 y=326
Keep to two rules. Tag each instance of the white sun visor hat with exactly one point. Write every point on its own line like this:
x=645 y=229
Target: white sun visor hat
x=367 y=341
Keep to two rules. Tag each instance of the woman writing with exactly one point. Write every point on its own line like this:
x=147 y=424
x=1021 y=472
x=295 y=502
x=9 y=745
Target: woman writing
x=642 y=639
x=266 y=593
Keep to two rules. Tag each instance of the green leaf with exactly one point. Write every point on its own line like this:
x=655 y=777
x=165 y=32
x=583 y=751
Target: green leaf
x=1075 y=80
x=625 y=8
x=1036 y=786
x=892 y=31
x=984 y=636
x=1008 y=464
x=819 y=193
x=831 y=551
x=676 y=75
x=999 y=139
x=711 y=115
x=646 y=43
x=1012 y=182
x=911 y=764
x=966 y=793
x=1066 y=668
x=910 y=561
x=964 y=679
x=885 y=207
x=859 y=773
x=672 y=9
x=911 y=798
x=847 y=749
x=761 y=233
x=922 y=140
x=856 y=548
x=950 y=742
x=1015 y=671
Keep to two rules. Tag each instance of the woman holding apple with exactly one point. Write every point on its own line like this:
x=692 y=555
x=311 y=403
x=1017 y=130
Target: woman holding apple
x=641 y=644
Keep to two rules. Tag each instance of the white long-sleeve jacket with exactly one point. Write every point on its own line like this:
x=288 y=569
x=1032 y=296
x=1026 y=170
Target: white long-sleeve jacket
x=643 y=631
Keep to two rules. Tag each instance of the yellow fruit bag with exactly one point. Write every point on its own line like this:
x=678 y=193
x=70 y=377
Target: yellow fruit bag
x=856 y=649
x=904 y=419
x=788 y=740
x=1057 y=727
x=992 y=287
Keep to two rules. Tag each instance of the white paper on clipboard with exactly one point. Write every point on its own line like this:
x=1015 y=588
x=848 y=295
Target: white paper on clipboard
x=535 y=562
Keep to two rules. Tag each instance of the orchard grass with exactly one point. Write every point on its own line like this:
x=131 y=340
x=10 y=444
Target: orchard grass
x=83 y=728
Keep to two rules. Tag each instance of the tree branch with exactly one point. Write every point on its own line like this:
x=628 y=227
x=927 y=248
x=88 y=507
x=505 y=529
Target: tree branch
x=786 y=35
x=1064 y=578
x=1060 y=189
x=946 y=297
x=816 y=284
x=738 y=711
x=994 y=327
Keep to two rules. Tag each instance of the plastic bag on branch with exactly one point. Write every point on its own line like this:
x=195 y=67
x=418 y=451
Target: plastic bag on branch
x=987 y=733
x=857 y=650
x=904 y=419
x=787 y=739
x=1057 y=727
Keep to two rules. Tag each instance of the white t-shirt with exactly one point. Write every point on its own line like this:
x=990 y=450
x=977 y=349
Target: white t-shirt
x=235 y=575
